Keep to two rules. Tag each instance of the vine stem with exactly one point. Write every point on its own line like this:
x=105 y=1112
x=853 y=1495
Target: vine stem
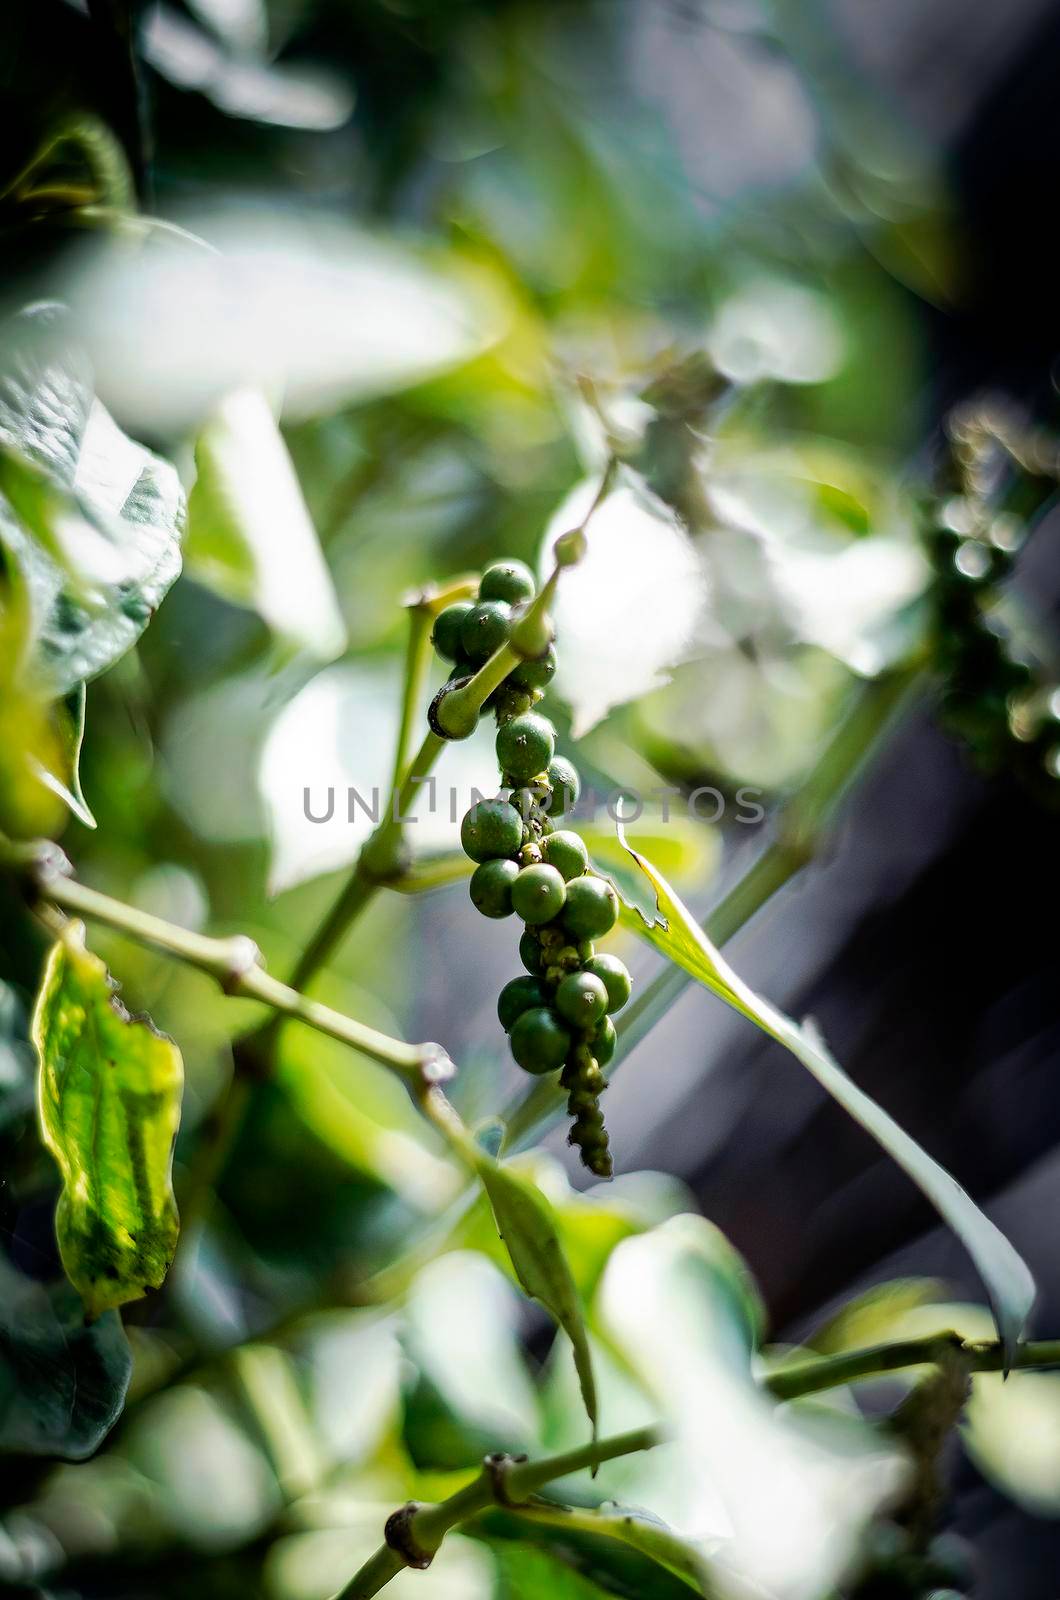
x=235 y=964
x=874 y=1361
x=415 y=1532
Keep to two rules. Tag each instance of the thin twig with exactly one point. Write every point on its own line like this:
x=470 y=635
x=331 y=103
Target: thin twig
x=415 y=1532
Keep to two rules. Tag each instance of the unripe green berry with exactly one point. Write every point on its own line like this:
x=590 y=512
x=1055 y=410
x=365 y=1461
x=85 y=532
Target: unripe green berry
x=604 y=1041
x=538 y=894
x=522 y=994
x=530 y=952
x=525 y=746
x=591 y=909
x=554 y=974
x=537 y=674
x=448 y=716
x=485 y=629
x=507 y=580
x=492 y=828
x=445 y=636
x=568 y=958
x=507 y=702
x=566 y=852
x=539 y=1040
x=491 y=887
x=565 y=784
x=529 y=855
x=614 y=976
x=581 y=1000
x=527 y=800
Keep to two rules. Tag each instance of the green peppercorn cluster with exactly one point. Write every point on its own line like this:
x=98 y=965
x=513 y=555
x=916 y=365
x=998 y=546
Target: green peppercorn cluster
x=558 y=1015
x=994 y=698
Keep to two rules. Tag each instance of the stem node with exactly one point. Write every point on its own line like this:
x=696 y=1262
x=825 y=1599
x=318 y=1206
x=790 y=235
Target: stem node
x=399 y=1535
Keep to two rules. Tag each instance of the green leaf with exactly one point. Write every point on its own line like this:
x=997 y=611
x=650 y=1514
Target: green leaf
x=91 y=519
x=250 y=537
x=462 y=1334
x=637 y=1529
x=524 y=1573
x=870 y=1317
x=109 y=1098
x=528 y=1226
x=69 y=719
x=62 y=1381
x=679 y=937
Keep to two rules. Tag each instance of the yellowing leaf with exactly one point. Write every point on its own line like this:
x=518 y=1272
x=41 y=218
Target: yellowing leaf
x=109 y=1099
x=679 y=937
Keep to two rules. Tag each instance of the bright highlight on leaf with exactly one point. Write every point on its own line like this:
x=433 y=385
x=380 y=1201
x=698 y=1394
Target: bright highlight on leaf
x=109 y=1100
x=249 y=532
x=679 y=937
x=628 y=611
x=774 y=1503
x=90 y=519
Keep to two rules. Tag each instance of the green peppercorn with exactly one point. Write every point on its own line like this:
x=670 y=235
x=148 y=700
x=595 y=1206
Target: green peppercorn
x=485 y=629
x=525 y=746
x=538 y=894
x=447 y=718
x=530 y=952
x=565 y=784
x=491 y=887
x=581 y=999
x=445 y=635
x=566 y=852
x=614 y=976
x=522 y=994
x=539 y=1040
x=492 y=828
x=535 y=674
x=591 y=909
x=527 y=801
x=604 y=1041
x=507 y=702
x=507 y=580
x=567 y=958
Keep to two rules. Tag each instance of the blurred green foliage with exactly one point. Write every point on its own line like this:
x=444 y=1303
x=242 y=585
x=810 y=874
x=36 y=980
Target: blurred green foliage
x=455 y=255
